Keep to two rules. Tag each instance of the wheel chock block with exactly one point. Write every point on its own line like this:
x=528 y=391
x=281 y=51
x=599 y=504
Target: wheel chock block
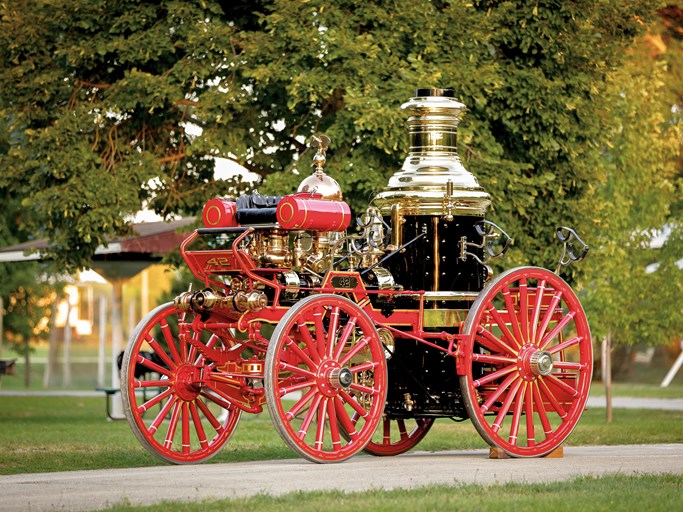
x=498 y=453
x=557 y=453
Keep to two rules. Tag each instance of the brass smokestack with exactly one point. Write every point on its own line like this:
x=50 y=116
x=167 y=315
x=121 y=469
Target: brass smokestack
x=432 y=180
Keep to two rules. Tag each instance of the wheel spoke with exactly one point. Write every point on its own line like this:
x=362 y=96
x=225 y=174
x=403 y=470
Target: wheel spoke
x=153 y=366
x=353 y=403
x=486 y=358
x=506 y=406
x=540 y=408
x=320 y=332
x=308 y=419
x=565 y=345
x=540 y=291
x=346 y=333
x=170 y=342
x=566 y=365
x=296 y=408
x=370 y=365
x=363 y=343
x=548 y=316
x=503 y=328
x=308 y=341
x=561 y=325
x=172 y=425
x=332 y=332
x=160 y=417
x=548 y=394
x=224 y=401
x=154 y=400
x=296 y=387
x=486 y=406
x=562 y=385
x=494 y=375
x=160 y=352
x=290 y=343
x=334 y=425
x=320 y=431
x=498 y=345
x=210 y=416
x=517 y=414
x=529 y=410
x=524 y=312
x=185 y=427
x=286 y=367
x=364 y=389
x=511 y=313
x=199 y=429
x=344 y=419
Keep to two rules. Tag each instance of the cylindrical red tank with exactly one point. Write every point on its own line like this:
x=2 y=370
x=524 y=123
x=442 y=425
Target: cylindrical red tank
x=303 y=211
x=219 y=213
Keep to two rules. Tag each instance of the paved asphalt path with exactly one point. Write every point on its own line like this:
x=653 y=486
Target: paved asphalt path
x=93 y=490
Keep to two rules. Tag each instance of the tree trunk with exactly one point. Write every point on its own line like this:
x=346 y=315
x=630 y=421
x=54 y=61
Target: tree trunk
x=52 y=347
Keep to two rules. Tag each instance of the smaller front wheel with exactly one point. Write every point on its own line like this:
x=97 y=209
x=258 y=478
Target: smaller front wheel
x=170 y=413
x=325 y=378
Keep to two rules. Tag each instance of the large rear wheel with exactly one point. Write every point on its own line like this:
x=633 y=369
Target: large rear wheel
x=526 y=362
x=398 y=435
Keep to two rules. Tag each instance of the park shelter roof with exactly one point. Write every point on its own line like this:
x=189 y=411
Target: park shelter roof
x=149 y=243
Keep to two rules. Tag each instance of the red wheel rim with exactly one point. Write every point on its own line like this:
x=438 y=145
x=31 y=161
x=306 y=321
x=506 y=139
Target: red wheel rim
x=172 y=416
x=327 y=355
x=527 y=362
x=398 y=435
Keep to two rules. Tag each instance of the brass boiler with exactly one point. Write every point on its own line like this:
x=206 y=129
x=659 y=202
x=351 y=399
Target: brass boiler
x=434 y=202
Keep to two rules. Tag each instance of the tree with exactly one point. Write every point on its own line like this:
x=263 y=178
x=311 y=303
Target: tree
x=102 y=92
x=98 y=96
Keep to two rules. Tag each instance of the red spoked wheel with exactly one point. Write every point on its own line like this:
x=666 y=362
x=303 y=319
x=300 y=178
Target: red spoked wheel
x=325 y=363
x=171 y=414
x=398 y=435
x=527 y=362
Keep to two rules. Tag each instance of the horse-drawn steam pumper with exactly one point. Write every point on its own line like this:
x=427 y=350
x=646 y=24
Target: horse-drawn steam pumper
x=360 y=341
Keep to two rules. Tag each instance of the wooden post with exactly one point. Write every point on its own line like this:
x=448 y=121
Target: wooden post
x=607 y=374
x=669 y=376
x=101 y=354
x=48 y=377
x=2 y=331
x=66 y=357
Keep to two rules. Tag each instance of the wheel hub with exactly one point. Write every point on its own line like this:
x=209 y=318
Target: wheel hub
x=186 y=382
x=332 y=377
x=533 y=363
x=341 y=378
x=541 y=363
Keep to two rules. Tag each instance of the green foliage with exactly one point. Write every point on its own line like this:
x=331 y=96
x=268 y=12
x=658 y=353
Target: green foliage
x=565 y=126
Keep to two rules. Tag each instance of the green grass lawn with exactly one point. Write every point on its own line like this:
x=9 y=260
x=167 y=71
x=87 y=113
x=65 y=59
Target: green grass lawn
x=609 y=494
x=43 y=434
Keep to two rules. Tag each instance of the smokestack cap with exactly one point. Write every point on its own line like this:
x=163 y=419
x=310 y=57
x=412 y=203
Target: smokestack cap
x=446 y=93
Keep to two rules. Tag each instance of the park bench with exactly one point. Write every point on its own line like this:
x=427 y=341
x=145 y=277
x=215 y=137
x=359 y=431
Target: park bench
x=7 y=366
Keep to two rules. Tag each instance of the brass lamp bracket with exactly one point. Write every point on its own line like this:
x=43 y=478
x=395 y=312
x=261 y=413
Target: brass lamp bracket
x=490 y=235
